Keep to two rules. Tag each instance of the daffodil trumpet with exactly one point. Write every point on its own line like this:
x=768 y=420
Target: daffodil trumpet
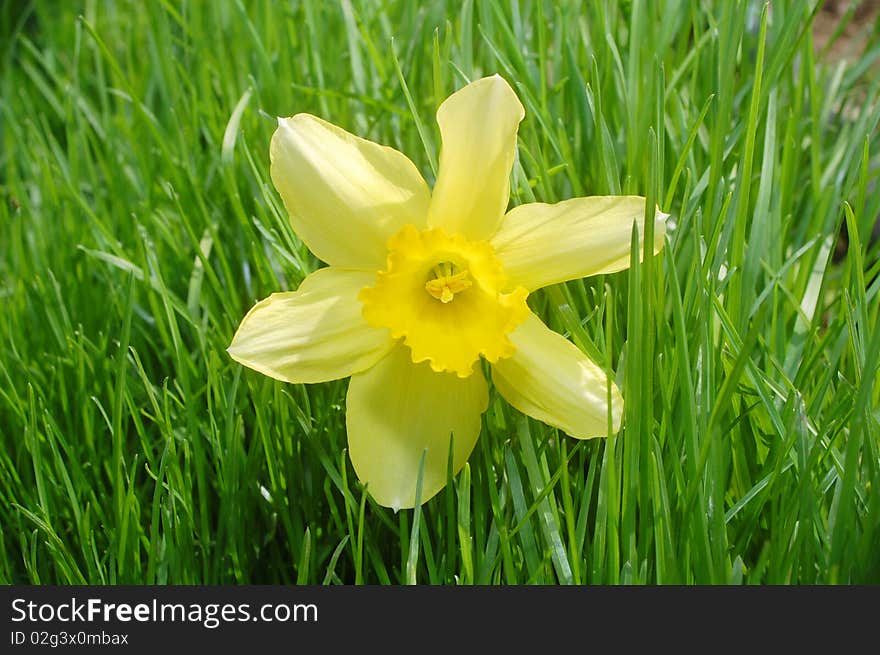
x=422 y=284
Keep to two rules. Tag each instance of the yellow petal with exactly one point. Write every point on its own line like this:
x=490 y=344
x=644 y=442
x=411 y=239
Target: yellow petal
x=314 y=334
x=549 y=379
x=541 y=244
x=395 y=411
x=478 y=124
x=345 y=195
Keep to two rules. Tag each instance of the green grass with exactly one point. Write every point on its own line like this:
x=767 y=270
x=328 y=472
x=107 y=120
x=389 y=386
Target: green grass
x=138 y=225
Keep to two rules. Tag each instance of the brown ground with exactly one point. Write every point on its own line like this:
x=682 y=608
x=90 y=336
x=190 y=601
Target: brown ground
x=855 y=36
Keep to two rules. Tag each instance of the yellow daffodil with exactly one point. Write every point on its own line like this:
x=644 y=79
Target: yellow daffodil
x=421 y=284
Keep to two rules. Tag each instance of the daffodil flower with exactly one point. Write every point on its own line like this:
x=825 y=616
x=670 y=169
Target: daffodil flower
x=422 y=284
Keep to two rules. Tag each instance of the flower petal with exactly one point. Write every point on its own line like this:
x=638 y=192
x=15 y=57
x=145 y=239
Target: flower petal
x=478 y=124
x=345 y=195
x=395 y=411
x=314 y=334
x=542 y=244
x=549 y=379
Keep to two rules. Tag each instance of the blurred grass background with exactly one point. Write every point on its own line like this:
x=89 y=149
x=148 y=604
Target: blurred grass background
x=138 y=224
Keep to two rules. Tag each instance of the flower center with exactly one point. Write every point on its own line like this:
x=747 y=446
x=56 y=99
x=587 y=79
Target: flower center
x=447 y=298
x=445 y=281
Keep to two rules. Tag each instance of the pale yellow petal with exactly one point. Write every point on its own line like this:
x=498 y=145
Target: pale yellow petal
x=345 y=195
x=314 y=334
x=541 y=244
x=395 y=411
x=478 y=124
x=549 y=379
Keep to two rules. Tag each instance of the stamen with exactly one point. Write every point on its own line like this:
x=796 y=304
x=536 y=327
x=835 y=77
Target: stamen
x=447 y=282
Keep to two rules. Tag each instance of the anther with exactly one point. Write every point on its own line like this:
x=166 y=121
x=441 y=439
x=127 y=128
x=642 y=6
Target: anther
x=446 y=282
